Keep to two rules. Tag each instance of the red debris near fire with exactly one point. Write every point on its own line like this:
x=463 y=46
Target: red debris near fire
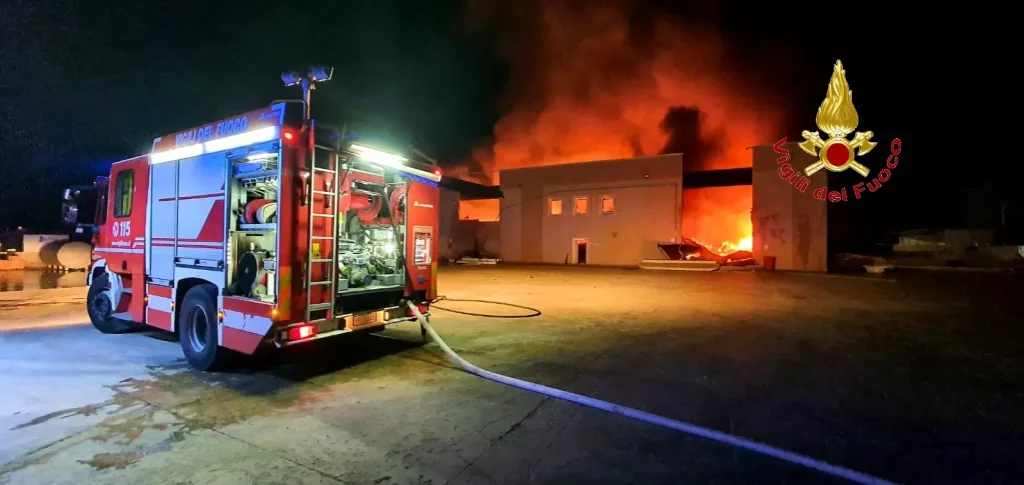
x=596 y=82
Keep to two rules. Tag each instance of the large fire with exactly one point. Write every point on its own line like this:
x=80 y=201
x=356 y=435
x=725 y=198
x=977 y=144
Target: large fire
x=598 y=82
x=719 y=218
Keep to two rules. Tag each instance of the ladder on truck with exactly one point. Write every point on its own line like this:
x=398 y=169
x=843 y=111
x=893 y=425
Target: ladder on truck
x=329 y=215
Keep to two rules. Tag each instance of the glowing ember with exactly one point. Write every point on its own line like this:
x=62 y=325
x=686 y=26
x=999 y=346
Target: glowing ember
x=719 y=214
x=727 y=247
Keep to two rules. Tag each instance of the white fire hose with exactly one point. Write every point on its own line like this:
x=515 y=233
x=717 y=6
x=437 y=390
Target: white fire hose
x=794 y=458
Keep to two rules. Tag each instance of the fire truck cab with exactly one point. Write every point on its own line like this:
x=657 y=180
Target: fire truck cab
x=264 y=229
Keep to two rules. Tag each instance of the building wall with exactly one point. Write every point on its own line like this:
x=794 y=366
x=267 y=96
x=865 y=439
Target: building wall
x=647 y=194
x=788 y=224
x=511 y=224
x=488 y=233
x=461 y=236
x=448 y=218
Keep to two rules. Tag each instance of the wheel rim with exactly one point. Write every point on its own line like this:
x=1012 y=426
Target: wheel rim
x=101 y=306
x=198 y=329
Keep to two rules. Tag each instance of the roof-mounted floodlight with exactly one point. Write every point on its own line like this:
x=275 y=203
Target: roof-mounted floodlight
x=317 y=74
x=320 y=73
x=291 y=78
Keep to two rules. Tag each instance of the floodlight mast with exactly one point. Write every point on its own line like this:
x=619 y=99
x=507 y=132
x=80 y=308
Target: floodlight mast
x=308 y=82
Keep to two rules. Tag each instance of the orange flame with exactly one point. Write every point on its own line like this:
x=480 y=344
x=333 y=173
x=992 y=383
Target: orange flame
x=590 y=82
x=719 y=218
x=588 y=86
x=486 y=210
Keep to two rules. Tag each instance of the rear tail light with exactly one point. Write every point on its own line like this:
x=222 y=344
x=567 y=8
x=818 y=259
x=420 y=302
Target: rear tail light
x=288 y=135
x=301 y=332
x=421 y=307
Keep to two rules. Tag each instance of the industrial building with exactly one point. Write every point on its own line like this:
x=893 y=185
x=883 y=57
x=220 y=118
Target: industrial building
x=617 y=212
x=610 y=212
x=461 y=237
x=789 y=225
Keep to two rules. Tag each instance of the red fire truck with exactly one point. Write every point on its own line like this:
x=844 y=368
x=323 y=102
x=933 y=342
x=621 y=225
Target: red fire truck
x=264 y=229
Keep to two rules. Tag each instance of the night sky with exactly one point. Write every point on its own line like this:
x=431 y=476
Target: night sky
x=82 y=86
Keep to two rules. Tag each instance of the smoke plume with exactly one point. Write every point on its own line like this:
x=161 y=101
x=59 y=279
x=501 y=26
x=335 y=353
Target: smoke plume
x=601 y=80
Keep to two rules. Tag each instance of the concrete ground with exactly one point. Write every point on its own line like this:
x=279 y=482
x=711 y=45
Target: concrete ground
x=916 y=379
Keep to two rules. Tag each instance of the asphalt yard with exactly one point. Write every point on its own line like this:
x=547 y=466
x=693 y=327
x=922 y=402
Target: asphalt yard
x=916 y=379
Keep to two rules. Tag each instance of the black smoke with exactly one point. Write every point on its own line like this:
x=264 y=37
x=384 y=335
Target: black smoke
x=682 y=124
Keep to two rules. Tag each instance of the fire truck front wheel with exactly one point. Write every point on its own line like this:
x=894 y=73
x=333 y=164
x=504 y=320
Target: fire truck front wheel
x=197 y=329
x=100 y=308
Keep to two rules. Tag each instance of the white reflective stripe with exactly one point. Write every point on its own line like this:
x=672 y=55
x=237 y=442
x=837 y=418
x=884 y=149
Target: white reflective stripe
x=118 y=250
x=247 y=323
x=160 y=303
x=233 y=319
x=188 y=254
x=257 y=325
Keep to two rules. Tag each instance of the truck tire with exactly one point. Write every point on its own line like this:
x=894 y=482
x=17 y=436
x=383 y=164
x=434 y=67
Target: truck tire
x=100 y=311
x=197 y=330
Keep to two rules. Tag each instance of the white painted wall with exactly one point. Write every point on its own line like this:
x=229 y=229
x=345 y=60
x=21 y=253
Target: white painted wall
x=648 y=206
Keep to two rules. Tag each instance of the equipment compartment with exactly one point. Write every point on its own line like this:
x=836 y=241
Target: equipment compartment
x=252 y=250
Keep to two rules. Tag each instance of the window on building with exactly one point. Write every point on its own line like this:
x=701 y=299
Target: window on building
x=607 y=204
x=555 y=207
x=123 y=193
x=579 y=205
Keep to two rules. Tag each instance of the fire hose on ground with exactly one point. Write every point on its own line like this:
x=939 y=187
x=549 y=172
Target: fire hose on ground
x=787 y=456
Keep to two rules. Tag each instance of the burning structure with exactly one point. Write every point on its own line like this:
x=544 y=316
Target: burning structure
x=621 y=212
x=607 y=82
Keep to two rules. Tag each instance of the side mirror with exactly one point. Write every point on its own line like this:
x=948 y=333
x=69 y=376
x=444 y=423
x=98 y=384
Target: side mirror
x=69 y=212
x=67 y=194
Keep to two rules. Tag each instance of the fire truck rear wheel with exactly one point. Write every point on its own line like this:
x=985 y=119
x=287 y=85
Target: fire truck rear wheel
x=197 y=330
x=100 y=310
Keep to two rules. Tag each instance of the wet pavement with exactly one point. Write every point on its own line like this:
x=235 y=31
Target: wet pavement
x=916 y=379
x=21 y=280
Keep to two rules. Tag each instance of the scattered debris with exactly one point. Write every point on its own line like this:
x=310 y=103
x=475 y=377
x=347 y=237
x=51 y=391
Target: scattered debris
x=476 y=261
x=118 y=461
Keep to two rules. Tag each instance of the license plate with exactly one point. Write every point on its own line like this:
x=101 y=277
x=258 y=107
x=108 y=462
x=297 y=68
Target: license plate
x=364 y=319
